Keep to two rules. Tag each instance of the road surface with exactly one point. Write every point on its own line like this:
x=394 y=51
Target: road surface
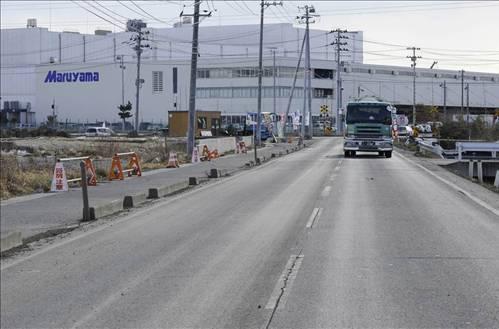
x=310 y=240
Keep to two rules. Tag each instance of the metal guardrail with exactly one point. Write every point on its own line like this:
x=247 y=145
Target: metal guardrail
x=473 y=150
x=431 y=147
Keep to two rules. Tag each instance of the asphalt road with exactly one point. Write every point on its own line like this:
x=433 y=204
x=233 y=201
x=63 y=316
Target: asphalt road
x=310 y=240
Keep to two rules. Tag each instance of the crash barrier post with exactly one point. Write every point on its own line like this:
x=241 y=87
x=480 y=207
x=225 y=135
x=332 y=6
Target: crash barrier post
x=172 y=160
x=132 y=168
x=60 y=181
x=84 y=191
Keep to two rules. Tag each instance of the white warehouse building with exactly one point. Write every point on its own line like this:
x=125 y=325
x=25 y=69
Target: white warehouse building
x=86 y=77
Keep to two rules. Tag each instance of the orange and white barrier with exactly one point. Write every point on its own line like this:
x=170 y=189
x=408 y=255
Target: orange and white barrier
x=172 y=161
x=133 y=167
x=60 y=181
x=242 y=147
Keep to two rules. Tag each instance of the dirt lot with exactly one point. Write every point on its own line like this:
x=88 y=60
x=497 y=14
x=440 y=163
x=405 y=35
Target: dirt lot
x=27 y=163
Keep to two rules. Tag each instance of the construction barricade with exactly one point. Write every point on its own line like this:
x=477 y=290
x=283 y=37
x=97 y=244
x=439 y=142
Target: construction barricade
x=207 y=155
x=132 y=168
x=60 y=182
x=172 y=160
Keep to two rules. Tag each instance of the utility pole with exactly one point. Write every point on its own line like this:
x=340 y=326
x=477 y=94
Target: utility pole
x=258 y=133
x=294 y=80
x=468 y=109
x=444 y=85
x=339 y=49
x=359 y=90
x=462 y=92
x=194 y=65
x=136 y=26
x=413 y=59
x=307 y=18
x=274 y=80
x=122 y=67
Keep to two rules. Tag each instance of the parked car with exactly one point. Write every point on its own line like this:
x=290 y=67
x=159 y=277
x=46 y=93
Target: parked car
x=402 y=131
x=98 y=132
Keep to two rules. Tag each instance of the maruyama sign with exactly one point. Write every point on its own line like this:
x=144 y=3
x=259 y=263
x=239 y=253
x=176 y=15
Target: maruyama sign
x=54 y=76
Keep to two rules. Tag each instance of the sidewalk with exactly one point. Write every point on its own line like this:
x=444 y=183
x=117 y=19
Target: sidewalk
x=36 y=214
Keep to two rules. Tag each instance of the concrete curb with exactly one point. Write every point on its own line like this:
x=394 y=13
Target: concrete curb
x=10 y=240
x=106 y=209
x=129 y=201
x=158 y=192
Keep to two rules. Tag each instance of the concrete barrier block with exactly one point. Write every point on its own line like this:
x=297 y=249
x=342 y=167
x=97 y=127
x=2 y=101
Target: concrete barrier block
x=106 y=209
x=169 y=189
x=193 y=181
x=496 y=180
x=214 y=173
x=10 y=240
x=153 y=193
x=130 y=201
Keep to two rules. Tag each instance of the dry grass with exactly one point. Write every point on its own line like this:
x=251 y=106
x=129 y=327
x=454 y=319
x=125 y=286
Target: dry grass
x=19 y=180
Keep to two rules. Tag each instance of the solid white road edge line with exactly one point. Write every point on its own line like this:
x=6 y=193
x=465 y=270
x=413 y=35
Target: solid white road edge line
x=454 y=186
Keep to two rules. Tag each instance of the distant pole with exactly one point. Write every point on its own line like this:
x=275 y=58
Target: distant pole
x=468 y=109
x=274 y=80
x=137 y=84
x=308 y=72
x=192 y=87
x=258 y=133
x=294 y=79
x=413 y=59
x=445 y=101
x=338 y=43
x=260 y=65
x=462 y=92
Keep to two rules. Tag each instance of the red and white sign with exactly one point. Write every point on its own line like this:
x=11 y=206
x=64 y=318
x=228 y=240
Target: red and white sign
x=59 y=181
x=195 y=155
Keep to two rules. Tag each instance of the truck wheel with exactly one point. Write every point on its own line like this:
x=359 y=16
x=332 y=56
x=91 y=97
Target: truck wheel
x=381 y=153
x=388 y=154
x=347 y=154
x=352 y=154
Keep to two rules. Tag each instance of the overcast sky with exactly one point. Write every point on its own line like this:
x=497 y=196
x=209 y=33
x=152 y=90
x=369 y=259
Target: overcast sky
x=457 y=34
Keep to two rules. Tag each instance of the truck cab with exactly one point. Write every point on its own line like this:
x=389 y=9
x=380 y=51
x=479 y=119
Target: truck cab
x=368 y=127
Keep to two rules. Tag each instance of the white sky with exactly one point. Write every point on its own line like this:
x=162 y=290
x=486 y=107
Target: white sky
x=457 y=34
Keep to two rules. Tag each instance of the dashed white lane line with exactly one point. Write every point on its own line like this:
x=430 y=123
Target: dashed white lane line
x=326 y=191
x=316 y=213
x=337 y=168
x=332 y=177
x=284 y=285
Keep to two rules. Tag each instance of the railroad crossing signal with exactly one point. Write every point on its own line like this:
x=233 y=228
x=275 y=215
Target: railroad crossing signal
x=324 y=114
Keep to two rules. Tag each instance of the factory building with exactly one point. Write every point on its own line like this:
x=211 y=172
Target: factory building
x=84 y=78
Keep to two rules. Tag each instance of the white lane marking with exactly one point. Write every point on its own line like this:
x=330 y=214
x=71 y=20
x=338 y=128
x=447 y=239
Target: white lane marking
x=283 y=286
x=333 y=176
x=326 y=191
x=315 y=215
x=337 y=168
x=339 y=162
x=454 y=186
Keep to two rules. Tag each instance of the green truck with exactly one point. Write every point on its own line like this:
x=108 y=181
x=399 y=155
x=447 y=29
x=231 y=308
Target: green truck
x=368 y=127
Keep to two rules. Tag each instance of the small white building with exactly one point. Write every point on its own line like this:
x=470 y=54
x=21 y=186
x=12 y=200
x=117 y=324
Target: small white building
x=83 y=76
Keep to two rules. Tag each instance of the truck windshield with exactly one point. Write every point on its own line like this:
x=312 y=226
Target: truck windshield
x=368 y=114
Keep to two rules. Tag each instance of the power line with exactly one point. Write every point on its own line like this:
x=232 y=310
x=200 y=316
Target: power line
x=112 y=23
x=148 y=14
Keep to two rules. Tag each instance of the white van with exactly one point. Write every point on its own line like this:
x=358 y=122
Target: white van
x=98 y=132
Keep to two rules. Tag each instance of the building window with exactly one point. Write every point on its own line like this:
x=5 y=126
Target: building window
x=323 y=74
x=157 y=82
x=203 y=73
x=322 y=92
x=202 y=123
